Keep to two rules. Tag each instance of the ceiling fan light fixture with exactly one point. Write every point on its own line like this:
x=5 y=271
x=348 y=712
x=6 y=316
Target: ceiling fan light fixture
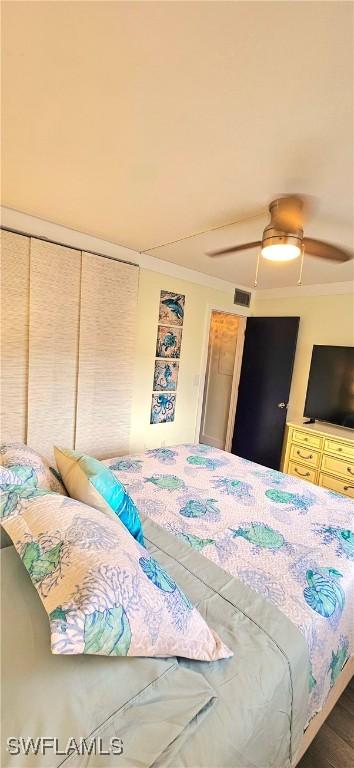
x=281 y=252
x=281 y=247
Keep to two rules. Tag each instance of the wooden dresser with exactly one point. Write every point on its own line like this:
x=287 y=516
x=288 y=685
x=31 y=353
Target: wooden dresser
x=321 y=454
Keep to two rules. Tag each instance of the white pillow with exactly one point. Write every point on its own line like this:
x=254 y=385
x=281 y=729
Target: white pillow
x=103 y=592
x=17 y=455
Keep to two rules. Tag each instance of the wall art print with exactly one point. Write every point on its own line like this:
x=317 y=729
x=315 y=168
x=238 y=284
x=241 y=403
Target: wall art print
x=163 y=407
x=166 y=375
x=171 y=309
x=168 y=350
x=168 y=342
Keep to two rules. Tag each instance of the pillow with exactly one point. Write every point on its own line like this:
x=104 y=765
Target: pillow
x=102 y=591
x=15 y=456
x=90 y=481
x=17 y=475
x=5 y=477
x=16 y=486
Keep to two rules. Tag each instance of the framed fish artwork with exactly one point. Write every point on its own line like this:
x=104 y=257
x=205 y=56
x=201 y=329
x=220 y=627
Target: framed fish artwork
x=171 y=310
x=166 y=375
x=163 y=406
x=168 y=342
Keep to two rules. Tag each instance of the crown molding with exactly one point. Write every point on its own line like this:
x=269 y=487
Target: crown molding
x=319 y=289
x=191 y=275
x=36 y=227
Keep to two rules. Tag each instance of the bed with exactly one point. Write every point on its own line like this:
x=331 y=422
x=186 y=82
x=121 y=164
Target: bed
x=264 y=559
x=240 y=712
x=290 y=541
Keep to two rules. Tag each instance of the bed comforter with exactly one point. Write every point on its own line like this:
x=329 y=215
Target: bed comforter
x=243 y=712
x=290 y=541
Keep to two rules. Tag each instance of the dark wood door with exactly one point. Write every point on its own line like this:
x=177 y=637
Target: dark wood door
x=265 y=380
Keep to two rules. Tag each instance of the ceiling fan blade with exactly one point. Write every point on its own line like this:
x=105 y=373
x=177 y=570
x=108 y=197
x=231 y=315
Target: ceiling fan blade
x=288 y=213
x=326 y=250
x=234 y=249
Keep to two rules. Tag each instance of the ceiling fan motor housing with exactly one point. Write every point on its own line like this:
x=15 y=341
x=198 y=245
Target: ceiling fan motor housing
x=273 y=236
x=285 y=223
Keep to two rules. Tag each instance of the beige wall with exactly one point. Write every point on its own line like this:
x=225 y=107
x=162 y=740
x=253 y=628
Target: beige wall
x=199 y=299
x=327 y=319
x=323 y=320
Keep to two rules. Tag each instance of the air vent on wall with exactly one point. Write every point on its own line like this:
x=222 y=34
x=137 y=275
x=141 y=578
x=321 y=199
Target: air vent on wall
x=242 y=297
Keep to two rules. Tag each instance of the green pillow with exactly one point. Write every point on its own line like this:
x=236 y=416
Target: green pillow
x=88 y=480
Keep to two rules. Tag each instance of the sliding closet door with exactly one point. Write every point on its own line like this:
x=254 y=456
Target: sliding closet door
x=106 y=355
x=14 y=336
x=53 y=348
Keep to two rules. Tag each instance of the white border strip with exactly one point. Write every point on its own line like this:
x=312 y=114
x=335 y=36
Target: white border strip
x=319 y=289
x=35 y=226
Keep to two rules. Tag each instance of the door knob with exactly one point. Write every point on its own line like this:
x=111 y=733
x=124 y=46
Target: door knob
x=281 y=405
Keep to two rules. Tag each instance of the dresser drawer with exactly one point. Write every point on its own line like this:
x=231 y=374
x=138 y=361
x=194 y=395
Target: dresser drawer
x=342 y=450
x=334 y=484
x=305 y=438
x=305 y=473
x=338 y=467
x=304 y=455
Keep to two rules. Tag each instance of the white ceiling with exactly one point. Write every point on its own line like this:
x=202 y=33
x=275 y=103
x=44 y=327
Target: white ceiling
x=141 y=123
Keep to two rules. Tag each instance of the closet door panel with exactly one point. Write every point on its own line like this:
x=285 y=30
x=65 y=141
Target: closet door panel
x=53 y=346
x=106 y=355
x=15 y=250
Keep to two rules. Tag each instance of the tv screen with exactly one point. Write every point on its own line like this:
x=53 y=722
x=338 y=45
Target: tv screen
x=330 y=390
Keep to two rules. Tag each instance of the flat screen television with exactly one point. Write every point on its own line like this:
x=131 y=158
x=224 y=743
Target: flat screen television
x=330 y=390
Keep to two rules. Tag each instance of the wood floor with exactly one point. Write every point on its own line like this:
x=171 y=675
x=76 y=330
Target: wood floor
x=333 y=746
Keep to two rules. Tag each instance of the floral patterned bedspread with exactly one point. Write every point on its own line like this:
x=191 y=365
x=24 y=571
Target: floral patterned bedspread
x=291 y=541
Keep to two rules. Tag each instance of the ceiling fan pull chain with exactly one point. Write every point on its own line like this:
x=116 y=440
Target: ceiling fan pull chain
x=299 y=282
x=257 y=269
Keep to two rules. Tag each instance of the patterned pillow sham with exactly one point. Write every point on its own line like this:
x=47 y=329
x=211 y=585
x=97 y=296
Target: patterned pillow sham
x=15 y=456
x=17 y=483
x=16 y=476
x=88 y=480
x=102 y=591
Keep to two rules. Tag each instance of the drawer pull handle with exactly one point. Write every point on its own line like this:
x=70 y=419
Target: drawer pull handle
x=348 y=487
x=349 y=469
x=304 y=457
x=302 y=474
x=339 y=448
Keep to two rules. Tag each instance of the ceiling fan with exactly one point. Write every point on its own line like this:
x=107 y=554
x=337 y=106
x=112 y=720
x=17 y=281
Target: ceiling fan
x=283 y=238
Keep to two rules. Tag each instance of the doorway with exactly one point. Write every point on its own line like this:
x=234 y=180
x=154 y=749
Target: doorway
x=264 y=388
x=225 y=345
